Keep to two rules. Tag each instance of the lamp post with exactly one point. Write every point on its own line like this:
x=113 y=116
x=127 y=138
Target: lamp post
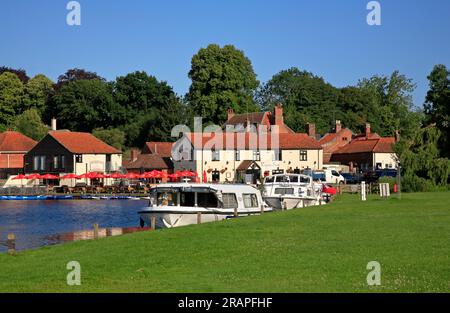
x=399 y=181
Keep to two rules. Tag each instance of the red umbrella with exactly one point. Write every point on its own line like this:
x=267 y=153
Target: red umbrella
x=33 y=176
x=132 y=176
x=70 y=176
x=117 y=175
x=20 y=176
x=48 y=176
x=188 y=174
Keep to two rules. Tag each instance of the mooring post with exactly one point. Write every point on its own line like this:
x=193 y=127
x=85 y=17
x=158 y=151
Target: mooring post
x=262 y=209
x=95 y=231
x=11 y=243
x=108 y=232
x=153 y=222
x=199 y=217
x=235 y=212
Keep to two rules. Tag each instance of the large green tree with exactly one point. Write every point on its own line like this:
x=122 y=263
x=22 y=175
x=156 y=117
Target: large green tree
x=83 y=105
x=30 y=124
x=150 y=108
x=38 y=91
x=221 y=77
x=112 y=136
x=11 y=96
x=437 y=105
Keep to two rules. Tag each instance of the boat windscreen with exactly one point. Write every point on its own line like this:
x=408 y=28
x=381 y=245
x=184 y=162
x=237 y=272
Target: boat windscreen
x=207 y=200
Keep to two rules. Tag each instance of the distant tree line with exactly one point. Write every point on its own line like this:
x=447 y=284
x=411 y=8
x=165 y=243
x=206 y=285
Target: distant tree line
x=138 y=107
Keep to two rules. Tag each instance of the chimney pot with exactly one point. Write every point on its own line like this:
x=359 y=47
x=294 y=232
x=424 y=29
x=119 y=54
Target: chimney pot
x=367 y=129
x=230 y=113
x=53 y=124
x=134 y=154
x=312 y=130
x=279 y=114
x=337 y=127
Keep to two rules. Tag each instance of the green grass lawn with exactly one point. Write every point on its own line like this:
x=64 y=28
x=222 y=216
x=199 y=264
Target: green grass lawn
x=316 y=249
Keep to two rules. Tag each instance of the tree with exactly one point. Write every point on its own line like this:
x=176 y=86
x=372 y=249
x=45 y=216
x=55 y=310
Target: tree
x=21 y=73
x=437 y=105
x=306 y=98
x=11 y=96
x=423 y=168
x=30 y=124
x=221 y=78
x=38 y=91
x=112 y=136
x=83 y=105
x=76 y=74
x=150 y=108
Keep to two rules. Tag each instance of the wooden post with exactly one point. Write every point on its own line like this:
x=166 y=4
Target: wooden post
x=262 y=209
x=153 y=222
x=108 y=232
x=11 y=243
x=283 y=206
x=95 y=231
x=303 y=203
x=235 y=212
x=320 y=201
x=199 y=217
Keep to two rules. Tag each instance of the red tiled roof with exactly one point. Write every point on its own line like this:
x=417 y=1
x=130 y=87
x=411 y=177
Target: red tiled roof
x=249 y=141
x=12 y=141
x=149 y=161
x=164 y=149
x=332 y=136
x=82 y=143
x=252 y=118
x=359 y=145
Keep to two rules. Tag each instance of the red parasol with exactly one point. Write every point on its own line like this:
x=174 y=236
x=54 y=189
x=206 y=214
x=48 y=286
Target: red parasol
x=117 y=175
x=132 y=176
x=20 y=176
x=33 y=176
x=48 y=176
x=70 y=176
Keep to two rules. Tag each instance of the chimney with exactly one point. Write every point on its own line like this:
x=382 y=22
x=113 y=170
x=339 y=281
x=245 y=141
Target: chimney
x=134 y=154
x=230 y=113
x=337 y=127
x=53 y=124
x=367 y=129
x=312 y=130
x=397 y=136
x=279 y=114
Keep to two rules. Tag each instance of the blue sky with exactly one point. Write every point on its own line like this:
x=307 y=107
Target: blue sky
x=327 y=37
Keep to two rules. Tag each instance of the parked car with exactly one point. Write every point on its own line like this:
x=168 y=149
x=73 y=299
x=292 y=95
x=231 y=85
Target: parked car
x=351 y=178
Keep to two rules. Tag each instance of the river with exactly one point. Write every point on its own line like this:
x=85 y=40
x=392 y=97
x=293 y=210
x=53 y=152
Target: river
x=39 y=223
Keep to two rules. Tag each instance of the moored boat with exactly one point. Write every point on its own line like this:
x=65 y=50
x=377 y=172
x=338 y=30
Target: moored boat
x=178 y=204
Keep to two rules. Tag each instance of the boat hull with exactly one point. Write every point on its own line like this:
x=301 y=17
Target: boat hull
x=289 y=203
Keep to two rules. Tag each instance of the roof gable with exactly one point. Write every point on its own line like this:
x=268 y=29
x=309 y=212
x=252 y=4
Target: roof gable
x=82 y=143
x=163 y=149
x=12 y=141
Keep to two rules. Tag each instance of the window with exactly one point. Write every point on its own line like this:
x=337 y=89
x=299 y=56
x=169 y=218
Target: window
x=187 y=199
x=284 y=191
x=278 y=155
x=79 y=158
x=207 y=200
x=215 y=155
x=250 y=200
x=42 y=163
x=277 y=171
x=256 y=155
x=229 y=201
x=215 y=176
x=36 y=161
x=55 y=162
x=303 y=155
x=167 y=198
x=63 y=161
x=237 y=155
x=334 y=173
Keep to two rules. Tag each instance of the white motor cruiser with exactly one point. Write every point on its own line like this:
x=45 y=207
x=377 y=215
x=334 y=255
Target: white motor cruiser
x=289 y=191
x=178 y=204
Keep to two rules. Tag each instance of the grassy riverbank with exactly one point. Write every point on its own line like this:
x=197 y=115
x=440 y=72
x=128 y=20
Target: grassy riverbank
x=306 y=250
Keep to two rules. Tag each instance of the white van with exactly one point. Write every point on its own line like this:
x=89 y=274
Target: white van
x=330 y=176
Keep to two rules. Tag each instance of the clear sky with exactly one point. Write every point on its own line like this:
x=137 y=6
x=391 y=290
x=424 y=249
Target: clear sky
x=327 y=37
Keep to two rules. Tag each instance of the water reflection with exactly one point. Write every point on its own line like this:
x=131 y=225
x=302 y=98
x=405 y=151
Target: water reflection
x=39 y=223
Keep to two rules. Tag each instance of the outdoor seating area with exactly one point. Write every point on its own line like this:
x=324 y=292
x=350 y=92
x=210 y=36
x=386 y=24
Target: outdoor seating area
x=99 y=183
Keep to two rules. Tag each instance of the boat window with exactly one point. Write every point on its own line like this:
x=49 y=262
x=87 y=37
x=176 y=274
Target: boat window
x=187 y=199
x=270 y=179
x=282 y=179
x=284 y=191
x=250 y=200
x=293 y=179
x=167 y=198
x=304 y=179
x=207 y=200
x=229 y=201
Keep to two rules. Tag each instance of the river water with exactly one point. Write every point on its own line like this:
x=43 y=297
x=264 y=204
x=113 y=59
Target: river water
x=39 y=223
